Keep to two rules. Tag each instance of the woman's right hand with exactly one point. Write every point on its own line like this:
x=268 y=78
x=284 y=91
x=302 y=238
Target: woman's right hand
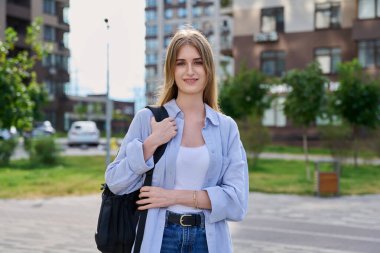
x=163 y=131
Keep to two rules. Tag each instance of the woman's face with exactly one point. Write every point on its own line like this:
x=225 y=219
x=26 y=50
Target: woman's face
x=189 y=73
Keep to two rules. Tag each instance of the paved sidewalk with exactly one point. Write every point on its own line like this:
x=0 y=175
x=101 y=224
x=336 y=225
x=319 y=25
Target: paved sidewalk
x=274 y=224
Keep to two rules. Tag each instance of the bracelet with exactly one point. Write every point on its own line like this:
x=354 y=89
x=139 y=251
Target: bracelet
x=196 y=200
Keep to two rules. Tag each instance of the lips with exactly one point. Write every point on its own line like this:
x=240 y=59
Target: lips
x=190 y=80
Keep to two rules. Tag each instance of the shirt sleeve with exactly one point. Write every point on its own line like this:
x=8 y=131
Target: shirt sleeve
x=229 y=199
x=126 y=173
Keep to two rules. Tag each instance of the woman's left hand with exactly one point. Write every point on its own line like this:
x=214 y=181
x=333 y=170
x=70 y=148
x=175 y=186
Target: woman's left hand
x=154 y=197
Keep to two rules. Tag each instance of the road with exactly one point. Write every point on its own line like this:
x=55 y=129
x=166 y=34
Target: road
x=274 y=224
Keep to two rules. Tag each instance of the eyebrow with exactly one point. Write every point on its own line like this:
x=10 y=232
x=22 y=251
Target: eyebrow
x=195 y=59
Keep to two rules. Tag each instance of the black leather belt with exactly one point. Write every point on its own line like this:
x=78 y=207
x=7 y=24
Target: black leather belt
x=185 y=220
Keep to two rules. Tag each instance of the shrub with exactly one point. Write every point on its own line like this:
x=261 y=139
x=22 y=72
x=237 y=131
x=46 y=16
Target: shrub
x=42 y=150
x=337 y=138
x=254 y=136
x=6 y=150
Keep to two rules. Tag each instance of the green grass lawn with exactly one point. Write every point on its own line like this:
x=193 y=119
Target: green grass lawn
x=75 y=176
x=83 y=175
x=364 y=152
x=279 y=176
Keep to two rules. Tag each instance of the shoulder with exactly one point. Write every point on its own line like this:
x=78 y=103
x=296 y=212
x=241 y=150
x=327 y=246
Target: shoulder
x=143 y=114
x=226 y=122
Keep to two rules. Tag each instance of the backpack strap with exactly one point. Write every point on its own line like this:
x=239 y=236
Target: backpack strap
x=159 y=113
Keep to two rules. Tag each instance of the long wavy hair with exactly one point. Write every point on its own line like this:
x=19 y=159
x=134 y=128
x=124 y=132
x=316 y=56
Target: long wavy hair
x=169 y=89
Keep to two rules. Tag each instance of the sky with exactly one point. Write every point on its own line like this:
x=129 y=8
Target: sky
x=88 y=40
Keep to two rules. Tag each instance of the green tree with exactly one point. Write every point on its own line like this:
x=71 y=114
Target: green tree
x=357 y=99
x=245 y=98
x=21 y=97
x=305 y=101
x=245 y=94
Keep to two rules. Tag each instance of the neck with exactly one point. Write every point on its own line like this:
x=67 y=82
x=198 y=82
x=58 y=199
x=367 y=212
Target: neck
x=190 y=104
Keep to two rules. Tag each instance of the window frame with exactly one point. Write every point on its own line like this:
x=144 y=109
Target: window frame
x=330 y=54
x=376 y=10
x=280 y=26
x=276 y=58
x=53 y=34
x=376 y=52
x=330 y=9
x=49 y=7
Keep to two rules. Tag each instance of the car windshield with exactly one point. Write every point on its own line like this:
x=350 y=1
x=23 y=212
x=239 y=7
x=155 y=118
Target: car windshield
x=85 y=126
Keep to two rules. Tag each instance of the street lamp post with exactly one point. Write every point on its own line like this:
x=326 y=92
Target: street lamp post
x=108 y=101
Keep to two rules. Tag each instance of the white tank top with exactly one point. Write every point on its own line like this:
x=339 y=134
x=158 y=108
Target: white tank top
x=192 y=164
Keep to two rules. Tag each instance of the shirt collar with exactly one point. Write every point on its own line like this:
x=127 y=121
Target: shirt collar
x=174 y=110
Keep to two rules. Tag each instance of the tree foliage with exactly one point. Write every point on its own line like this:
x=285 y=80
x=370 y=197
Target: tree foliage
x=306 y=99
x=21 y=97
x=357 y=99
x=245 y=94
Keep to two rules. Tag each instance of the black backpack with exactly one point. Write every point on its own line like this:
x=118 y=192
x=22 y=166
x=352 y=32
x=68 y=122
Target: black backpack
x=119 y=217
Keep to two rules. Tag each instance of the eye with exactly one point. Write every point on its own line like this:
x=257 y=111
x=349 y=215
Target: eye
x=180 y=63
x=199 y=63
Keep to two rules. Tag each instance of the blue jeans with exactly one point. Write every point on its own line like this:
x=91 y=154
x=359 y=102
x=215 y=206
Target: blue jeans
x=179 y=239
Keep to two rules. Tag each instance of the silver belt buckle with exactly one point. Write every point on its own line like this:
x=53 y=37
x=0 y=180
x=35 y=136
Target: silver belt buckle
x=181 y=220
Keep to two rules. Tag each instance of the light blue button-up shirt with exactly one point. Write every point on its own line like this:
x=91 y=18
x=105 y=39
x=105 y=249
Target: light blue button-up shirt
x=226 y=180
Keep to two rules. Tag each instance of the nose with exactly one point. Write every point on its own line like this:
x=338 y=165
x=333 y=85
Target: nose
x=190 y=70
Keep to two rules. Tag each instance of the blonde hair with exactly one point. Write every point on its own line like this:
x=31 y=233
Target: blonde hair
x=189 y=36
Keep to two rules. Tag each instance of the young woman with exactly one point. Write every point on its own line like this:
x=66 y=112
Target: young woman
x=201 y=181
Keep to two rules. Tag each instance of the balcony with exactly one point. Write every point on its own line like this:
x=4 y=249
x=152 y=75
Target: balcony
x=266 y=37
x=18 y=11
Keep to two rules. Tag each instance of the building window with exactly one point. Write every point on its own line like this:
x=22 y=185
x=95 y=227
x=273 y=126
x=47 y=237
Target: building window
x=272 y=20
x=151 y=30
x=275 y=116
x=49 y=87
x=151 y=44
x=150 y=72
x=49 y=33
x=62 y=62
x=168 y=29
x=49 y=7
x=197 y=11
x=181 y=12
x=328 y=59
x=48 y=60
x=150 y=15
x=369 y=9
x=273 y=63
x=369 y=53
x=151 y=3
x=209 y=10
x=169 y=13
x=167 y=42
x=327 y=15
x=151 y=59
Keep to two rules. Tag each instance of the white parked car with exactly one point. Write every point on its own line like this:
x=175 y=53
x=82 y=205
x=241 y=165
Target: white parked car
x=83 y=132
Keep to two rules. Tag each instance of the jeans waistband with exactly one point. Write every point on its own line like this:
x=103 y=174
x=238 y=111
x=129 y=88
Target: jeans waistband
x=185 y=219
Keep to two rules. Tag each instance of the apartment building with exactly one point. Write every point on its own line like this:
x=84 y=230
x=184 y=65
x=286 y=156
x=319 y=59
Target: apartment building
x=163 y=17
x=275 y=36
x=53 y=69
